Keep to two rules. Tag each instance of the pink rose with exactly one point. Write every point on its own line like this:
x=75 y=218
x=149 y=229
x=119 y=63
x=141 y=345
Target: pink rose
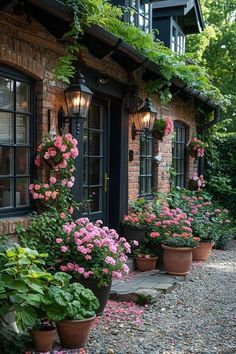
x=52 y=180
x=59 y=240
x=64 y=249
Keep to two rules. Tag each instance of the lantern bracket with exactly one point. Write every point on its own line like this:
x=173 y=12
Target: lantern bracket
x=63 y=119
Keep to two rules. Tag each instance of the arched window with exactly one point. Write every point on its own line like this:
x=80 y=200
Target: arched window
x=16 y=125
x=179 y=153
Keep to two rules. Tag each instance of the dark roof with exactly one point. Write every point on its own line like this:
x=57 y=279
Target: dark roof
x=56 y=17
x=188 y=10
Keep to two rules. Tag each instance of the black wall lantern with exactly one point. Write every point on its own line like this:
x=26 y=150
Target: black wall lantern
x=146 y=117
x=78 y=100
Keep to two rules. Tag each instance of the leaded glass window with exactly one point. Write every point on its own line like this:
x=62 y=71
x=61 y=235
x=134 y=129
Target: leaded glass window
x=146 y=165
x=179 y=154
x=15 y=140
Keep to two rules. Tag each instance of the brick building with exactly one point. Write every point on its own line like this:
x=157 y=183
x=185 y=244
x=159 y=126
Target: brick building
x=111 y=164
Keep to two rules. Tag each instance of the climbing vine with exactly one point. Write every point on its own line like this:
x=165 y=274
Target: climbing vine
x=109 y=17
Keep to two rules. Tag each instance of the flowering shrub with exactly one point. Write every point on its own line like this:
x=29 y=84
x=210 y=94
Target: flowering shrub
x=162 y=127
x=196 y=148
x=208 y=221
x=91 y=251
x=58 y=152
x=196 y=183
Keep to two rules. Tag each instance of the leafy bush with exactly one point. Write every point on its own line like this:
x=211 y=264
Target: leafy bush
x=23 y=281
x=181 y=242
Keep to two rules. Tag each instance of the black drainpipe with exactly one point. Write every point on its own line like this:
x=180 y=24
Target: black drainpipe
x=202 y=133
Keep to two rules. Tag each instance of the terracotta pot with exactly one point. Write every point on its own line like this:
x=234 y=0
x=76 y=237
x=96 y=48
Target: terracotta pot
x=134 y=233
x=159 y=252
x=177 y=260
x=202 y=252
x=144 y=264
x=102 y=293
x=74 y=334
x=43 y=340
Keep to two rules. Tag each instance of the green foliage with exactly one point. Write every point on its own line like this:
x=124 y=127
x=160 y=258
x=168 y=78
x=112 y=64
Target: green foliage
x=23 y=281
x=68 y=301
x=215 y=50
x=181 y=242
x=17 y=343
x=88 y=13
x=220 y=170
x=42 y=232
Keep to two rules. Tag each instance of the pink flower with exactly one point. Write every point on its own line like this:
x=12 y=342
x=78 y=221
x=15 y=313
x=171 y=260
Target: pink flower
x=54 y=195
x=37 y=187
x=52 y=180
x=110 y=260
x=62 y=215
x=37 y=161
x=59 y=240
x=135 y=243
x=154 y=234
x=71 y=210
x=105 y=270
x=70 y=184
x=64 y=249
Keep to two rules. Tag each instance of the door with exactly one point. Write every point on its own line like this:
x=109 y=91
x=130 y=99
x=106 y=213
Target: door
x=95 y=166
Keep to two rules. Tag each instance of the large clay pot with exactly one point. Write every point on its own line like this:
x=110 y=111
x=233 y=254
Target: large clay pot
x=145 y=264
x=102 y=293
x=202 y=252
x=134 y=233
x=177 y=260
x=74 y=334
x=43 y=340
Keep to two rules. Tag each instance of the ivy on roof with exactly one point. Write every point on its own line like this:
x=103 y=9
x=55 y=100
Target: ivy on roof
x=171 y=65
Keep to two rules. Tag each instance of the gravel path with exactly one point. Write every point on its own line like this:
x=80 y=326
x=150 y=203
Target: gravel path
x=198 y=317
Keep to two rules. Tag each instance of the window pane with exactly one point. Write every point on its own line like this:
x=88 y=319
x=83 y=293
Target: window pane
x=85 y=141
x=149 y=167
x=95 y=143
x=22 y=129
x=149 y=185
x=22 y=97
x=22 y=194
x=6 y=193
x=6 y=93
x=142 y=190
x=22 y=155
x=6 y=161
x=96 y=204
x=6 y=128
x=141 y=21
x=95 y=169
x=85 y=172
x=95 y=121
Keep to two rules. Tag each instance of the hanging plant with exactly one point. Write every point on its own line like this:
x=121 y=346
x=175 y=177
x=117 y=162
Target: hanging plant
x=162 y=127
x=196 y=148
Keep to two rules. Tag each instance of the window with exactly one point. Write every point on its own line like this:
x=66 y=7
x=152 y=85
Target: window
x=179 y=154
x=140 y=14
x=146 y=159
x=15 y=140
x=177 y=39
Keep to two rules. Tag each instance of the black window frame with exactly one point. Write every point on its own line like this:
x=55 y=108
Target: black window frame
x=137 y=10
x=146 y=157
x=175 y=47
x=16 y=75
x=179 y=146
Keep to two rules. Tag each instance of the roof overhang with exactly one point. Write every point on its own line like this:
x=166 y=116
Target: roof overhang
x=101 y=43
x=188 y=10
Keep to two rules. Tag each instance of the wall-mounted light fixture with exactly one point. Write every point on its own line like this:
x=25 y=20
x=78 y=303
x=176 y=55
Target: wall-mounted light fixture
x=146 y=117
x=78 y=100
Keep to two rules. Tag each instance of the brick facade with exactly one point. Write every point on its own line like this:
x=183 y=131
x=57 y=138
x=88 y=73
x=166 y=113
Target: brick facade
x=31 y=49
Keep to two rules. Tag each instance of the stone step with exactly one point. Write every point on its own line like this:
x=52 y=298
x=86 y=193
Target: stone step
x=144 y=287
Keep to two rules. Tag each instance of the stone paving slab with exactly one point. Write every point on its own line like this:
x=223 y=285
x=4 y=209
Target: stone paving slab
x=144 y=287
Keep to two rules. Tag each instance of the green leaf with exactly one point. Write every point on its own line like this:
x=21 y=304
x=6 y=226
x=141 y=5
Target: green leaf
x=18 y=285
x=34 y=299
x=37 y=287
x=27 y=316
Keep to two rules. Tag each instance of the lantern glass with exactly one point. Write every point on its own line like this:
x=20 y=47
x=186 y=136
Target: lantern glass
x=78 y=103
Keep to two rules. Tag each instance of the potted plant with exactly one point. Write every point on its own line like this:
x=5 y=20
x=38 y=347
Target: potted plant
x=178 y=253
x=162 y=127
x=93 y=254
x=196 y=148
x=145 y=258
x=72 y=307
x=196 y=183
x=43 y=333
